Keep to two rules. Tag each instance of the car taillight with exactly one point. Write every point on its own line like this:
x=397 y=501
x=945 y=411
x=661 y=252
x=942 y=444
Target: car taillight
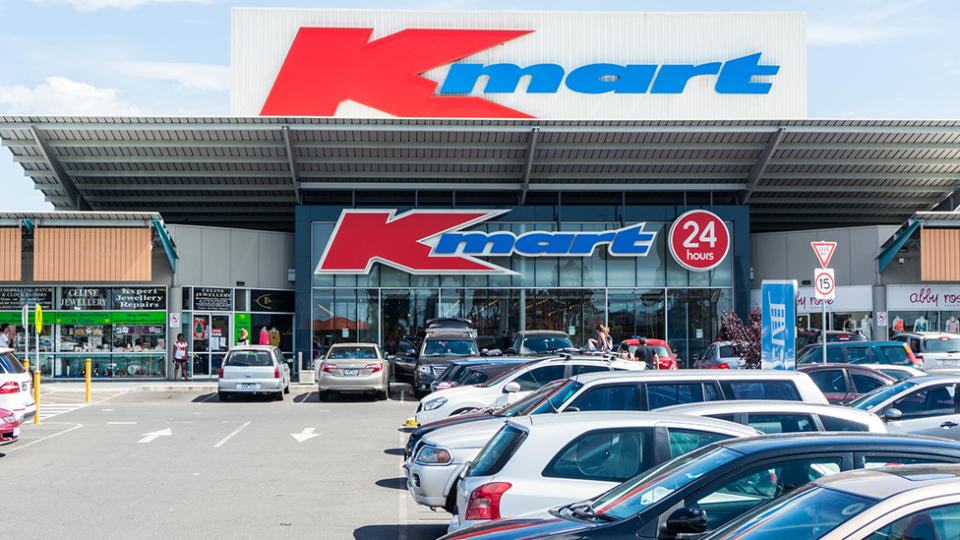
x=327 y=367
x=723 y=366
x=276 y=372
x=915 y=359
x=444 y=385
x=221 y=372
x=374 y=367
x=484 y=501
x=10 y=387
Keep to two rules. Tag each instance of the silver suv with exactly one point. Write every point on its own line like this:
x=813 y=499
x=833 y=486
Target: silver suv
x=933 y=349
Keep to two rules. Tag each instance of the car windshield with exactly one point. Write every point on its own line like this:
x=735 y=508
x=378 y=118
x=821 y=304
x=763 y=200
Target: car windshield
x=539 y=345
x=878 y=396
x=249 y=359
x=450 y=347
x=941 y=345
x=645 y=490
x=552 y=401
x=352 y=353
x=10 y=364
x=515 y=408
x=806 y=514
x=496 y=380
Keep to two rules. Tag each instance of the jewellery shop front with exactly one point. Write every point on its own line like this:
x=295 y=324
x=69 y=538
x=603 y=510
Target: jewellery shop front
x=121 y=330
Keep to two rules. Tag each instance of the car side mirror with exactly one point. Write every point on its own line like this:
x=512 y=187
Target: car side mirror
x=411 y=352
x=892 y=414
x=494 y=352
x=511 y=387
x=484 y=352
x=510 y=350
x=686 y=520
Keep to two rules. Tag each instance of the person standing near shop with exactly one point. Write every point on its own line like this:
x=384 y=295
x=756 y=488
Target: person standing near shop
x=244 y=338
x=4 y=335
x=644 y=353
x=180 y=357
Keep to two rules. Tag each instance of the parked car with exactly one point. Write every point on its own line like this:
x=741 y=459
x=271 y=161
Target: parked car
x=665 y=357
x=463 y=436
x=860 y=352
x=254 y=369
x=540 y=343
x=353 y=367
x=513 y=385
x=909 y=502
x=933 y=349
x=716 y=483
x=475 y=371
x=438 y=350
x=559 y=459
x=403 y=363
x=772 y=416
x=843 y=383
x=9 y=427
x=718 y=355
x=16 y=386
x=922 y=405
x=812 y=336
x=898 y=372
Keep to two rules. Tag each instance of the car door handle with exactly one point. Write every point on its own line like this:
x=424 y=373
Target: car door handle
x=948 y=424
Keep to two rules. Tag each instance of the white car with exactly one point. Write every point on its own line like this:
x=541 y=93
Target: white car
x=918 y=406
x=773 y=416
x=537 y=462
x=16 y=386
x=933 y=349
x=513 y=385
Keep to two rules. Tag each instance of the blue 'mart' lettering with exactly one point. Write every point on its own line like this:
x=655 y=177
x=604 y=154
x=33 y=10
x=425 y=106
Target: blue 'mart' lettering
x=733 y=77
x=628 y=241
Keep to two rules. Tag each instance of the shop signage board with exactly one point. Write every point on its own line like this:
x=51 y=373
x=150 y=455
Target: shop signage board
x=84 y=298
x=140 y=298
x=923 y=297
x=212 y=299
x=272 y=301
x=699 y=240
x=778 y=334
x=14 y=298
x=444 y=64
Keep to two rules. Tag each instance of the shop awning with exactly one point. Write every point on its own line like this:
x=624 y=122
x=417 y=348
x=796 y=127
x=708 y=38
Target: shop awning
x=252 y=172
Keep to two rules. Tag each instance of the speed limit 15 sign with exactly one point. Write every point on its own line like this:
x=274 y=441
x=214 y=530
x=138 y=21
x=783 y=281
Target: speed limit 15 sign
x=699 y=240
x=824 y=284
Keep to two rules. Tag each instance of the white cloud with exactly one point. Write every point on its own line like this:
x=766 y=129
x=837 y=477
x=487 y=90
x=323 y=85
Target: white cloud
x=93 y=5
x=835 y=34
x=187 y=76
x=62 y=96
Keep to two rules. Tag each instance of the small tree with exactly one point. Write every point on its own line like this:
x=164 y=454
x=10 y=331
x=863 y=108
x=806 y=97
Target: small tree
x=745 y=337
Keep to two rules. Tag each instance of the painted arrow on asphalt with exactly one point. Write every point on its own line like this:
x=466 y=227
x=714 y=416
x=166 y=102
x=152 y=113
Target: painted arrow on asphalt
x=150 y=437
x=305 y=435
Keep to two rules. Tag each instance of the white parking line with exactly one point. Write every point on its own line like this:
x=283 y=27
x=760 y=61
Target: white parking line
x=402 y=496
x=57 y=434
x=232 y=433
x=121 y=423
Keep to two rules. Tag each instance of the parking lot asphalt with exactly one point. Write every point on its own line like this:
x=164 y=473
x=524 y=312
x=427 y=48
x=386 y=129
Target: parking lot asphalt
x=184 y=465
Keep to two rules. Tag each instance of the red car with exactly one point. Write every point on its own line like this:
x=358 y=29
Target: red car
x=9 y=427
x=843 y=383
x=665 y=356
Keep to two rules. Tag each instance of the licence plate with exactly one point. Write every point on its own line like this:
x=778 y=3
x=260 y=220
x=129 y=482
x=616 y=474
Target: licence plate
x=351 y=372
x=248 y=386
x=16 y=432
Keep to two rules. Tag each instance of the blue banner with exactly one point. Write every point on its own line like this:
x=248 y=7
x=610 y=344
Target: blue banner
x=778 y=335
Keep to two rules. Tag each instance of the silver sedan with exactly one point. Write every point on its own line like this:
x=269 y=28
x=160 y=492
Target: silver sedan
x=353 y=367
x=254 y=369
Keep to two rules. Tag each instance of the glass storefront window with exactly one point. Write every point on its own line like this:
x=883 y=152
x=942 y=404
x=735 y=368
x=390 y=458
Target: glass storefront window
x=139 y=338
x=693 y=320
x=574 y=311
x=913 y=321
x=85 y=338
x=636 y=312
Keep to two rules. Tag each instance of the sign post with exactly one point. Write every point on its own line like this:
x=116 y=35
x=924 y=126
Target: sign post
x=824 y=252
x=25 y=319
x=778 y=316
x=38 y=322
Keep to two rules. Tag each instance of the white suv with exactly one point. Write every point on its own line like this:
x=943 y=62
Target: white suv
x=933 y=349
x=16 y=387
x=513 y=385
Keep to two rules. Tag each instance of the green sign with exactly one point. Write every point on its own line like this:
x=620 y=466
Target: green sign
x=241 y=321
x=91 y=317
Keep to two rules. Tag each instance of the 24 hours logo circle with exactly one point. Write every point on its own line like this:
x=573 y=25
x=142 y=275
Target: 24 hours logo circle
x=699 y=240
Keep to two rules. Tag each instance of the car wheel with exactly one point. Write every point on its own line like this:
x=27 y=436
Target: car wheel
x=222 y=396
x=286 y=389
x=451 y=504
x=278 y=396
x=382 y=395
x=323 y=395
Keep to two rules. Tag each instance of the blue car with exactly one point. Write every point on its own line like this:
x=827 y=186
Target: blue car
x=698 y=492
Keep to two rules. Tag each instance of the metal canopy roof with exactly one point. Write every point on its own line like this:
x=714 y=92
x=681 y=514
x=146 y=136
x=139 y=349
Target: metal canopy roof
x=252 y=171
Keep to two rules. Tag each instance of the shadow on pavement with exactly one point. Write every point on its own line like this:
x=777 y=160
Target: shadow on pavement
x=413 y=532
x=394 y=451
x=238 y=398
x=393 y=483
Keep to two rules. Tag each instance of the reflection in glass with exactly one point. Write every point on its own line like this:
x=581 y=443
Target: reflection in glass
x=636 y=312
x=694 y=320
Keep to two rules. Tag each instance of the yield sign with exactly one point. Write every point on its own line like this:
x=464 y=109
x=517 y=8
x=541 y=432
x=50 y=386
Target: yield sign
x=824 y=251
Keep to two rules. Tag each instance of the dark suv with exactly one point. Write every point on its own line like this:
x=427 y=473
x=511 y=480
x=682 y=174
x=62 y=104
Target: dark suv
x=540 y=343
x=442 y=344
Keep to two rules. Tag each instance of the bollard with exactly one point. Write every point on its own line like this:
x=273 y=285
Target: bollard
x=87 y=378
x=26 y=365
x=36 y=394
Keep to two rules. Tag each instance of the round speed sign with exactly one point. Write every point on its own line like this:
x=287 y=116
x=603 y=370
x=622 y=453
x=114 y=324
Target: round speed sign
x=699 y=240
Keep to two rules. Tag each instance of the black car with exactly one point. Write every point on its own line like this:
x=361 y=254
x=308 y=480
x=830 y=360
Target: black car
x=439 y=349
x=540 y=343
x=700 y=491
x=404 y=361
x=811 y=336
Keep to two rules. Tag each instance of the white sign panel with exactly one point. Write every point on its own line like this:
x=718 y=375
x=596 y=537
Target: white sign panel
x=881 y=318
x=502 y=64
x=174 y=320
x=923 y=297
x=824 y=284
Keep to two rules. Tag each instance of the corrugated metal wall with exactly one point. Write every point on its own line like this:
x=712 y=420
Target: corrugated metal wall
x=10 y=255
x=77 y=254
x=940 y=254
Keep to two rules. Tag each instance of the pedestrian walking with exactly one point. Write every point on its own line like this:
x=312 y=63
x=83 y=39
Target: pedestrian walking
x=180 y=357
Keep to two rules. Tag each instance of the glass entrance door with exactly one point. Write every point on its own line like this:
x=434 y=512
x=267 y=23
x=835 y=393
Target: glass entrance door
x=211 y=340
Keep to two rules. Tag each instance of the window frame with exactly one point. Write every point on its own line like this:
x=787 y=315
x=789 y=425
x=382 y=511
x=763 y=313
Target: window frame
x=956 y=402
x=647 y=451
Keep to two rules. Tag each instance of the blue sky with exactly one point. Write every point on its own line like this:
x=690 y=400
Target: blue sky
x=866 y=59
